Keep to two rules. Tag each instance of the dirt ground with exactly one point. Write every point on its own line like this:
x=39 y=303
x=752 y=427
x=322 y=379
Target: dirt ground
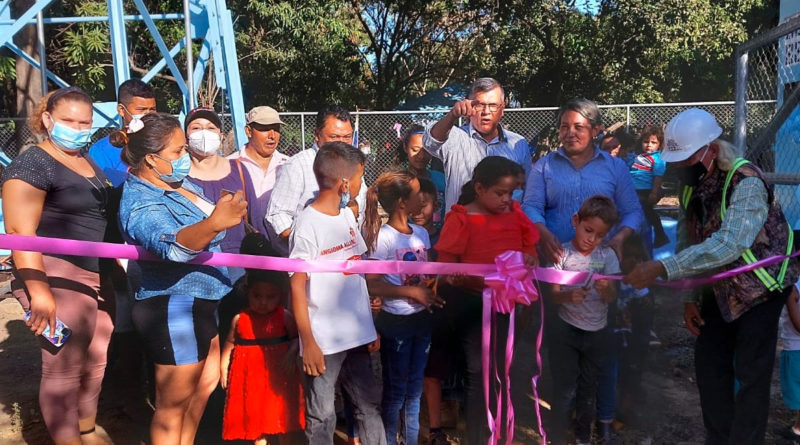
x=671 y=414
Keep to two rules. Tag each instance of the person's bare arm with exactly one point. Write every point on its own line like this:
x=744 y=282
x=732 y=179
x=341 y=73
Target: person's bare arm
x=22 y=208
x=313 y=359
x=227 y=351
x=793 y=309
x=422 y=295
x=560 y=295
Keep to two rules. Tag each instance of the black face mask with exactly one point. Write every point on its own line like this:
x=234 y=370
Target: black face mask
x=692 y=175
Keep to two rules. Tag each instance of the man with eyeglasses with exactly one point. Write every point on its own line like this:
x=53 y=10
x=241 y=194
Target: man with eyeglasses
x=261 y=158
x=461 y=148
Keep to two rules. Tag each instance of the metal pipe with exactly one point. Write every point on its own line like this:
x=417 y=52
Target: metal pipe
x=94 y=18
x=303 y=130
x=740 y=122
x=187 y=23
x=42 y=51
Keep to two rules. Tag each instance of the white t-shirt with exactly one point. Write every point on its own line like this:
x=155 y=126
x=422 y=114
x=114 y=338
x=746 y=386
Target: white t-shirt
x=395 y=246
x=789 y=335
x=338 y=303
x=592 y=314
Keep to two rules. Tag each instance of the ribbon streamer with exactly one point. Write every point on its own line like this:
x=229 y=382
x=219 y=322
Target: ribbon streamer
x=511 y=284
x=58 y=246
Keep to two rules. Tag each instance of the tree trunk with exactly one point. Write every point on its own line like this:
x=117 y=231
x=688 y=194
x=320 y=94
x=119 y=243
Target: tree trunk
x=29 y=83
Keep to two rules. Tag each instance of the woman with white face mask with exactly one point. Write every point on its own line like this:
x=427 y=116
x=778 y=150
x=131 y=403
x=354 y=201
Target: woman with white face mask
x=53 y=190
x=217 y=176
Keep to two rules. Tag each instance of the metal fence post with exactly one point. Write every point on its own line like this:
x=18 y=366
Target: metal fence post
x=627 y=117
x=740 y=123
x=303 y=130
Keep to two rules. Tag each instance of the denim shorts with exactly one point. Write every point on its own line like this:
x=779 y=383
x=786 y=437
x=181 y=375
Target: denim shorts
x=176 y=329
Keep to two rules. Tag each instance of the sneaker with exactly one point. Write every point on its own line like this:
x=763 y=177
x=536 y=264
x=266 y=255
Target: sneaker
x=654 y=341
x=605 y=431
x=438 y=438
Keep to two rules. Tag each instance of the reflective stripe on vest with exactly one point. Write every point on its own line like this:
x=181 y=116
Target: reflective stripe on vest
x=769 y=282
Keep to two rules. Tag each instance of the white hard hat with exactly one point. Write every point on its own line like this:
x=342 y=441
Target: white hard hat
x=688 y=132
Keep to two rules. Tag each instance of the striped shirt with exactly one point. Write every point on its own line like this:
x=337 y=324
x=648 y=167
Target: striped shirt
x=295 y=188
x=465 y=147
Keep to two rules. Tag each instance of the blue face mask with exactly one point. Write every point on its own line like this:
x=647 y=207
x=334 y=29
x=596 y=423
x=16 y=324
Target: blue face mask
x=345 y=196
x=180 y=169
x=516 y=195
x=68 y=138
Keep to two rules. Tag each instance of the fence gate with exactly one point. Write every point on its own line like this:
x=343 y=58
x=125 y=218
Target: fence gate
x=768 y=68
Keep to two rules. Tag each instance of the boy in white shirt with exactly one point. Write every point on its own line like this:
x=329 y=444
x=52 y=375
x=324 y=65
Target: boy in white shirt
x=332 y=309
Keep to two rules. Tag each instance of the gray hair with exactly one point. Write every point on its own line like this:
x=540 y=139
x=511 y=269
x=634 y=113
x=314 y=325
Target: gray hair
x=483 y=85
x=726 y=154
x=585 y=107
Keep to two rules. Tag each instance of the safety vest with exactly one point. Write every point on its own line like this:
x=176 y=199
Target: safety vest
x=770 y=282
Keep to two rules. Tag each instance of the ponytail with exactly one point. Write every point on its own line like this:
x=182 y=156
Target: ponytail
x=118 y=138
x=488 y=172
x=387 y=190
x=372 y=220
x=467 y=193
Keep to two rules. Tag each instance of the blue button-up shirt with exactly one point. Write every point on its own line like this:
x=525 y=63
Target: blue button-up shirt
x=556 y=189
x=152 y=217
x=465 y=147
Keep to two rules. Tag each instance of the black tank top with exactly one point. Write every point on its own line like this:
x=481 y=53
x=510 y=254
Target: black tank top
x=75 y=207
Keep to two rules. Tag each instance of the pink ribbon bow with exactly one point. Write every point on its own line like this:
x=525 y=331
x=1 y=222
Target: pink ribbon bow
x=512 y=283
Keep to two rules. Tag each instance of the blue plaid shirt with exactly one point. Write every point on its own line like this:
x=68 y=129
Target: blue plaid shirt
x=152 y=217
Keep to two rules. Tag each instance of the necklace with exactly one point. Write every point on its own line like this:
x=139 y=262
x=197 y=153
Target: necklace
x=102 y=190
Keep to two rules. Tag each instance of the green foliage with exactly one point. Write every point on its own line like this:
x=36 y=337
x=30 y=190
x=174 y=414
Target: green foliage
x=301 y=54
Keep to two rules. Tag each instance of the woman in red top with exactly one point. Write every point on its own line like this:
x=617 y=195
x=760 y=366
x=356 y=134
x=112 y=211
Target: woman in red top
x=485 y=223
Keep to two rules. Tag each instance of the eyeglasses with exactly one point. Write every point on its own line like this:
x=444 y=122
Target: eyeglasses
x=480 y=107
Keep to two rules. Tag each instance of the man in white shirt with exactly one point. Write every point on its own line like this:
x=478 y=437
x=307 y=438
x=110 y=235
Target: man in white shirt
x=262 y=160
x=296 y=186
x=461 y=148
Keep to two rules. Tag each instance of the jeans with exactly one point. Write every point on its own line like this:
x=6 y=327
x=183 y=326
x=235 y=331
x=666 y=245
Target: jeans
x=405 y=342
x=354 y=368
x=576 y=359
x=744 y=351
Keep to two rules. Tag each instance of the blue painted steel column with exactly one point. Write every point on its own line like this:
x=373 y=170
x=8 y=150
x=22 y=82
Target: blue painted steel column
x=119 y=42
x=232 y=72
x=7 y=32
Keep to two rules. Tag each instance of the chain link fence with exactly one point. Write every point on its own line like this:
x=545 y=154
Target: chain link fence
x=768 y=69
x=382 y=129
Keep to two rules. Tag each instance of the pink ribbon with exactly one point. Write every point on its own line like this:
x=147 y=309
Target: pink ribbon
x=511 y=284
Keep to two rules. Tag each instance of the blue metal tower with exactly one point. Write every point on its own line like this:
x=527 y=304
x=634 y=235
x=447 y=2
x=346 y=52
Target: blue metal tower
x=209 y=20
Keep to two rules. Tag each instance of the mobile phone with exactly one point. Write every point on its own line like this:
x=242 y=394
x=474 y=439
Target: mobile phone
x=588 y=283
x=225 y=192
x=62 y=332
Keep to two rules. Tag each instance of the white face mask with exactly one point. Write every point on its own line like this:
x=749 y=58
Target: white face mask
x=204 y=142
x=136 y=123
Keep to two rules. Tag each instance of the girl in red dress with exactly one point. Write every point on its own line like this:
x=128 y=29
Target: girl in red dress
x=259 y=366
x=485 y=223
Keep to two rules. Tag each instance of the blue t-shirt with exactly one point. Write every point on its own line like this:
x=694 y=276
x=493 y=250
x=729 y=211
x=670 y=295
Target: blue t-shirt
x=645 y=167
x=107 y=157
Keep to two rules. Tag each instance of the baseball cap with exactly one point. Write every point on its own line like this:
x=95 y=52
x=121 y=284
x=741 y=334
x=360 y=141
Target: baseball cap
x=204 y=113
x=264 y=115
